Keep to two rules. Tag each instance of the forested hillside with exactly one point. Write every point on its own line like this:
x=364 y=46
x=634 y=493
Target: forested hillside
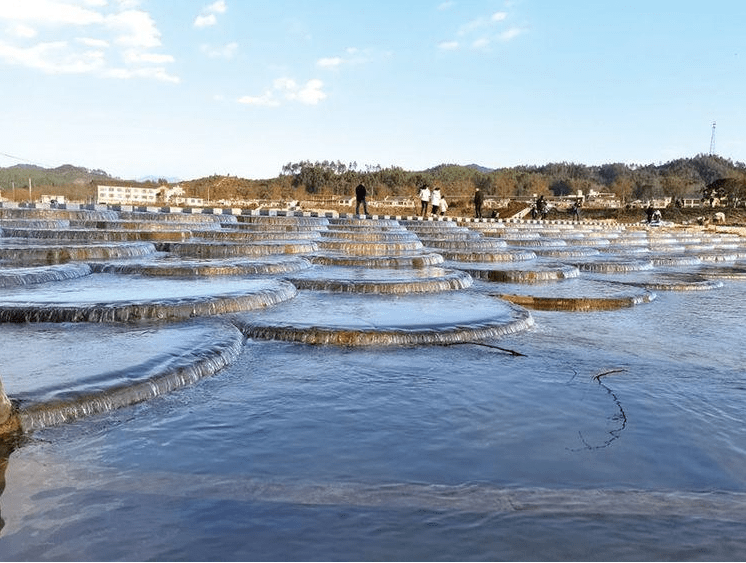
x=681 y=178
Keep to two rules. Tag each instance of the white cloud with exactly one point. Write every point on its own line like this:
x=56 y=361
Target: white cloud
x=227 y=51
x=136 y=29
x=353 y=56
x=472 y=26
x=134 y=57
x=53 y=12
x=288 y=89
x=285 y=84
x=511 y=33
x=448 y=45
x=311 y=93
x=329 y=62
x=205 y=21
x=267 y=100
x=21 y=30
x=481 y=43
x=53 y=58
x=124 y=4
x=92 y=42
x=446 y=5
x=39 y=36
x=156 y=73
x=218 y=7
x=208 y=16
x=483 y=32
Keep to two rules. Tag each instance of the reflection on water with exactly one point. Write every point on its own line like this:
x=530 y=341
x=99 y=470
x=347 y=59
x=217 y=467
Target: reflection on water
x=606 y=424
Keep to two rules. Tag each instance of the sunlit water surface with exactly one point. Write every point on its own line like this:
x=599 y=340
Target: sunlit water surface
x=429 y=452
x=607 y=435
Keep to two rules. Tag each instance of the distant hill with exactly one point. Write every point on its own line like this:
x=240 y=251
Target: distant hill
x=160 y=179
x=440 y=167
x=64 y=175
x=680 y=178
x=478 y=168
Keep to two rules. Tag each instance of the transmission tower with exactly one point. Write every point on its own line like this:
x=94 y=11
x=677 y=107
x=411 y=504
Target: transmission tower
x=712 y=140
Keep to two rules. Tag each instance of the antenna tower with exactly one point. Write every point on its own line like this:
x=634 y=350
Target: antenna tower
x=712 y=140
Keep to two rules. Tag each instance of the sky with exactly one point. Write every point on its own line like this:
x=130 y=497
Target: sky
x=187 y=88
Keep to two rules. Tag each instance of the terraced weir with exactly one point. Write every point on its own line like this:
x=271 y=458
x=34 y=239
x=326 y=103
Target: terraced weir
x=167 y=298
x=202 y=384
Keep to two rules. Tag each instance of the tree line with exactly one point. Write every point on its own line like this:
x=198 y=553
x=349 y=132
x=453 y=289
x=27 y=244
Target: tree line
x=703 y=176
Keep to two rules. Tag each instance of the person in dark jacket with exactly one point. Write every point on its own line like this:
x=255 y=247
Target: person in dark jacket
x=649 y=213
x=360 y=193
x=478 y=201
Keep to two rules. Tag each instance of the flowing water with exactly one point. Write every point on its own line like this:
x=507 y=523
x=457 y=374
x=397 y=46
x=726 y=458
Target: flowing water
x=440 y=423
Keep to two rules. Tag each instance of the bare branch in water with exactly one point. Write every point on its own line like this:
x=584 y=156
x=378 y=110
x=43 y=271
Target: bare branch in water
x=508 y=350
x=620 y=418
x=598 y=376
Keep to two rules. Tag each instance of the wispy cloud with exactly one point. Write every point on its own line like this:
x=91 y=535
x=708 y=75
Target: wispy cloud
x=205 y=21
x=351 y=56
x=330 y=62
x=227 y=51
x=107 y=40
x=54 y=57
x=482 y=33
x=287 y=89
x=268 y=99
x=209 y=14
x=310 y=94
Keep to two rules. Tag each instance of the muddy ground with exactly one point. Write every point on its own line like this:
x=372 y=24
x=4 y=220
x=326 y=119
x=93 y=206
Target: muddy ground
x=690 y=215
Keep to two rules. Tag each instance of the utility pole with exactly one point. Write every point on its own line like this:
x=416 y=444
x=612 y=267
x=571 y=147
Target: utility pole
x=712 y=140
x=29 y=190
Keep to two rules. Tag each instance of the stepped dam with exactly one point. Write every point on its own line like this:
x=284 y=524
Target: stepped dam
x=293 y=385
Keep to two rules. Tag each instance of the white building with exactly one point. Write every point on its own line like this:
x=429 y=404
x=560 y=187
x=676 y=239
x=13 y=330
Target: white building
x=128 y=195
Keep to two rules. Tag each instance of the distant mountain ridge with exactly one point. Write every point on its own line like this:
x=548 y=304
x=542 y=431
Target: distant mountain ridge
x=66 y=174
x=683 y=177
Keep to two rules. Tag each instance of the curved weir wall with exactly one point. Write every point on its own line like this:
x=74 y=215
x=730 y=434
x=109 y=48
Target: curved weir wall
x=225 y=265
x=423 y=341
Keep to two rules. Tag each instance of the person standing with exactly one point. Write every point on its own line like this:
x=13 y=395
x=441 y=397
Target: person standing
x=649 y=213
x=541 y=207
x=443 y=206
x=435 y=201
x=424 y=199
x=360 y=194
x=478 y=201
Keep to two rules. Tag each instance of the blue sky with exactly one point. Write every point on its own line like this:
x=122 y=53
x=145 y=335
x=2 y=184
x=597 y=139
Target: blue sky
x=192 y=88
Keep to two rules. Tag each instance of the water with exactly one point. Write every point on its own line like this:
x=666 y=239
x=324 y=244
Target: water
x=599 y=435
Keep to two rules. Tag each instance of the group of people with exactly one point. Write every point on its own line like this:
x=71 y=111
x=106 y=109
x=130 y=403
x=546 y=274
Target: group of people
x=433 y=198
x=653 y=215
x=438 y=204
x=540 y=208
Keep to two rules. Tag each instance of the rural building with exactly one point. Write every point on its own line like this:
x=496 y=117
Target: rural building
x=131 y=195
x=128 y=195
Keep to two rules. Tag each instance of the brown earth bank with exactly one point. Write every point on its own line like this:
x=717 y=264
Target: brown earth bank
x=689 y=215
x=685 y=216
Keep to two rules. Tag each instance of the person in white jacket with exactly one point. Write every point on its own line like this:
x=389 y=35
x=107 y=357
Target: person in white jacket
x=424 y=199
x=435 y=201
x=443 y=206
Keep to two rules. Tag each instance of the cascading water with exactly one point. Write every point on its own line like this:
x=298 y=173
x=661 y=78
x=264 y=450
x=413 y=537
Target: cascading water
x=370 y=368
